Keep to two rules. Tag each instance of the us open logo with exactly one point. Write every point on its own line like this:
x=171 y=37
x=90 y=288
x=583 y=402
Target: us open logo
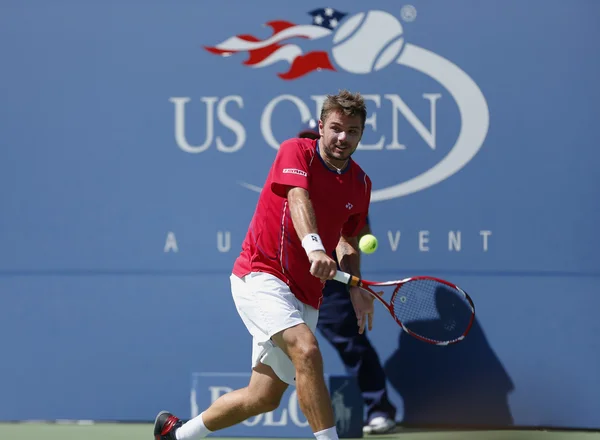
x=361 y=44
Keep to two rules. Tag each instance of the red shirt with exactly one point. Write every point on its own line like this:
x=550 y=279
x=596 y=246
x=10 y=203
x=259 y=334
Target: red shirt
x=341 y=204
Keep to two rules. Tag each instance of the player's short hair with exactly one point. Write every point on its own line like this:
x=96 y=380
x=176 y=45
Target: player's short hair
x=351 y=104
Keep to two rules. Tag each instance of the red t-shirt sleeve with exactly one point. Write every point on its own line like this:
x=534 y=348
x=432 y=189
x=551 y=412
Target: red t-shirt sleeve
x=357 y=222
x=290 y=168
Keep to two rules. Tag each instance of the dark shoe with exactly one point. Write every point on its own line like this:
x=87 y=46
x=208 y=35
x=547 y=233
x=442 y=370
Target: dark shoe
x=165 y=426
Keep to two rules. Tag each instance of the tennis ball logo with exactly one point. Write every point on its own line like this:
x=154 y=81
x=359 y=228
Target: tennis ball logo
x=367 y=42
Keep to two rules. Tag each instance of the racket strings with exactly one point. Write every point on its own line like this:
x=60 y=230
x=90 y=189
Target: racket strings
x=432 y=310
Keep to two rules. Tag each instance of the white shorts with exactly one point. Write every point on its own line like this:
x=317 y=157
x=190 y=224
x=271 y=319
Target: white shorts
x=267 y=306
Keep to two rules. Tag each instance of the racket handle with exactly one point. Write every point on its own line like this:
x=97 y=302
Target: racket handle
x=346 y=278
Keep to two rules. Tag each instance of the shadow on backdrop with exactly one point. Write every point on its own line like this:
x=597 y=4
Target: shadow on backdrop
x=464 y=384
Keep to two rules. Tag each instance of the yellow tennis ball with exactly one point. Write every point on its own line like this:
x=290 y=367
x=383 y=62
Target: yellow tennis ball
x=368 y=244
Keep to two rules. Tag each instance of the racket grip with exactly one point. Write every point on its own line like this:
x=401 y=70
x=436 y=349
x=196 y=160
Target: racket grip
x=342 y=277
x=346 y=278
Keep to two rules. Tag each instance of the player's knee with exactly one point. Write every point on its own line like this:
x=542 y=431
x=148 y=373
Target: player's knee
x=265 y=402
x=307 y=355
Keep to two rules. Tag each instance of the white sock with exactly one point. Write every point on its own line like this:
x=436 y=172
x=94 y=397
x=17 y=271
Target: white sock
x=193 y=429
x=326 y=434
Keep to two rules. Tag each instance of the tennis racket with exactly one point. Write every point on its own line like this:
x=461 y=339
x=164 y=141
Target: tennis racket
x=430 y=309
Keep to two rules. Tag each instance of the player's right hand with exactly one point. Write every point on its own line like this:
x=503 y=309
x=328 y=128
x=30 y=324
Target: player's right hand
x=322 y=265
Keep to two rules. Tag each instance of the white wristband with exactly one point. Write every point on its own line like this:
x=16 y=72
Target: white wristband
x=312 y=242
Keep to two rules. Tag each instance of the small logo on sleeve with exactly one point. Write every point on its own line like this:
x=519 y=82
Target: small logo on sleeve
x=295 y=171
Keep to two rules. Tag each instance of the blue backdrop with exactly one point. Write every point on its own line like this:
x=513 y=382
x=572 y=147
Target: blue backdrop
x=132 y=155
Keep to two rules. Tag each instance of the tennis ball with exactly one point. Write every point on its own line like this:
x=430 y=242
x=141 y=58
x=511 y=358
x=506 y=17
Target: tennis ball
x=368 y=244
x=367 y=42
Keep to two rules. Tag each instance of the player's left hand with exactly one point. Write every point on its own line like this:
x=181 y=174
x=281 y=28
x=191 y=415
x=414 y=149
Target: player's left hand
x=363 y=307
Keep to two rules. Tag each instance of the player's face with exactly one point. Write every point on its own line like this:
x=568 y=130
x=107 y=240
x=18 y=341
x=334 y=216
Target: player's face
x=340 y=135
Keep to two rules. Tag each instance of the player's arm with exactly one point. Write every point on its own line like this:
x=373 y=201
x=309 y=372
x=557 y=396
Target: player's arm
x=349 y=258
x=302 y=212
x=348 y=255
x=305 y=223
x=347 y=250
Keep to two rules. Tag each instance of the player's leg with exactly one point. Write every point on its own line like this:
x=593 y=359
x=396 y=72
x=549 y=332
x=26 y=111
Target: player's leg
x=253 y=298
x=300 y=344
x=263 y=394
x=264 y=391
x=292 y=349
x=337 y=323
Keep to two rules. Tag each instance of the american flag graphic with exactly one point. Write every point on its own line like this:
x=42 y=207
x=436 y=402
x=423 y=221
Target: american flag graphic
x=275 y=48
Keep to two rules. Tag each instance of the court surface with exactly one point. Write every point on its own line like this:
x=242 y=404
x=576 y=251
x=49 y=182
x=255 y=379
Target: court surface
x=45 y=431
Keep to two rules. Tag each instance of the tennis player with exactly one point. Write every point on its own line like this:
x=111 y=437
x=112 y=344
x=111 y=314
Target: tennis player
x=315 y=200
